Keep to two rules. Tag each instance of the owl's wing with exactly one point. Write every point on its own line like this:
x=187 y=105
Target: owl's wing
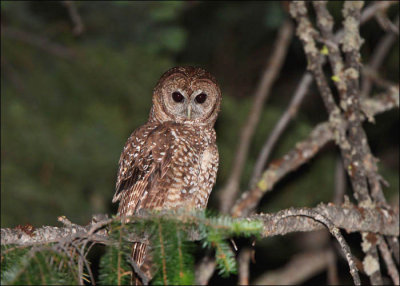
x=144 y=161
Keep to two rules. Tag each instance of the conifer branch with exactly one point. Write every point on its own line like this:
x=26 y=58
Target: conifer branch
x=163 y=258
x=347 y=216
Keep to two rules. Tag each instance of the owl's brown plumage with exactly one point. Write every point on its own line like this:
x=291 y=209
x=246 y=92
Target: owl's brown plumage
x=171 y=161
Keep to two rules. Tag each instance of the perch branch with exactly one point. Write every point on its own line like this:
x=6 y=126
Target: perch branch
x=348 y=217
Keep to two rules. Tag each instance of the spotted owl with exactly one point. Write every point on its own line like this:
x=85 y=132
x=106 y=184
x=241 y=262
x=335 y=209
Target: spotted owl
x=171 y=161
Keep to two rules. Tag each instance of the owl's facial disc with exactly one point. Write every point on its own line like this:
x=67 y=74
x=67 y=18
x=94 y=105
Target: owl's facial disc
x=187 y=103
x=186 y=95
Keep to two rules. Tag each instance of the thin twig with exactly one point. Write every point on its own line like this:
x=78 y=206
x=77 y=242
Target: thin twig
x=376 y=60
x=75 y=17
x=229 y=192
x=287 y=116
x=385 y=23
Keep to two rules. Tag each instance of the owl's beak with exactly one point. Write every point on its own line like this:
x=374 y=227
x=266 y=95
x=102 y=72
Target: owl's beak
x=189 y=111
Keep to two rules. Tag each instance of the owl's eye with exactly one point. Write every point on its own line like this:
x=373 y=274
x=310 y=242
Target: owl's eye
x=201 y=98
x=177 y=96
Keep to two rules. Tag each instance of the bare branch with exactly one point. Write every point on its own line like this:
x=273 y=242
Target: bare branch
x=358 y=160
x=204 y=270
x=368 y=13
x=280 y=127
x=376 y=61
x=347 y=217
x=279 y=168
x=229 y=192
x=386 y=24
x=76 y=19
x=304 y=151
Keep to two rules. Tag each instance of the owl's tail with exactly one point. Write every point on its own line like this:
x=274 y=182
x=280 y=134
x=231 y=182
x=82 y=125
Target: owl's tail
x=141 y=274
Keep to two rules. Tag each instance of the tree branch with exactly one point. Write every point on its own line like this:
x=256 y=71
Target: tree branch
x=347 y=217
x=376 y=61
x=304 y=151
x=229 y=192
x=76 y=19
x=287 y=116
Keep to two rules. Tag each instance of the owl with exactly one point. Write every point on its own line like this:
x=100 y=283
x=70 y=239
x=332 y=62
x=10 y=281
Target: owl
x=171 y=161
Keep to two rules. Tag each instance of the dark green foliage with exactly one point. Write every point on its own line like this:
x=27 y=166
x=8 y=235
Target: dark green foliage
x=172 y=252
x=216 y=230
x=171 y=249
x=224 y=255
x=114 y=265
x=36 y=266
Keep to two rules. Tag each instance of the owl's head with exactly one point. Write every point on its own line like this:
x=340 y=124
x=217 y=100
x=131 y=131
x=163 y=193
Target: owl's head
x=186 y=95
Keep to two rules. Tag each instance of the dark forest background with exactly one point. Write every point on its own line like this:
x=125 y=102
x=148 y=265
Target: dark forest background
x=70 y=99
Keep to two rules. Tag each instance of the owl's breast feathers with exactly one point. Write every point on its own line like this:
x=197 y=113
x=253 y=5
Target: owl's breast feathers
x=166 y=166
